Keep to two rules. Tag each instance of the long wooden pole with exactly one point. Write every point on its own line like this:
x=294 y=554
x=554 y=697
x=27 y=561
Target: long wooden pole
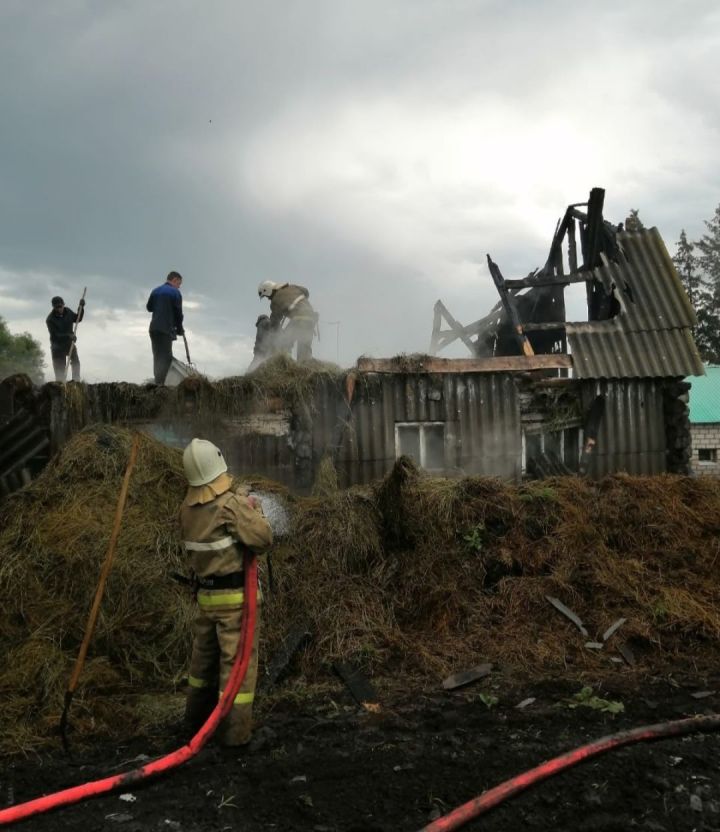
x=95 y=609
x=73 y=348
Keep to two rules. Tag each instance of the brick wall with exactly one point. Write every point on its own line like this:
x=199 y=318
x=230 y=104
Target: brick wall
x=706 y=437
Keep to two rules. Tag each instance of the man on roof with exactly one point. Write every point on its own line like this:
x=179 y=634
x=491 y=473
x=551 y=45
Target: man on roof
x=292 y=317
x=165 y=304
x=61 y=326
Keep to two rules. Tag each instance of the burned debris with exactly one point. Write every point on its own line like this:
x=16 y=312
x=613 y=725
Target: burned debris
x=634 y=349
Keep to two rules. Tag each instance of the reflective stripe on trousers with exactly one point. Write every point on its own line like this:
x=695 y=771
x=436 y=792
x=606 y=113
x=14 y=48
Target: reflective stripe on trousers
x=207 y=598
x=243 y=698
x=212 y=546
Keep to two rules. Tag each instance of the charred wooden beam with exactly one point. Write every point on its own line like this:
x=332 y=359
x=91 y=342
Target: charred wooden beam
x=595 y=226
x=440 y=339
x=510 y=308
x=437 y=321
x=546 y=326
x=559 y=280
x=572 y=248
x=496 y=364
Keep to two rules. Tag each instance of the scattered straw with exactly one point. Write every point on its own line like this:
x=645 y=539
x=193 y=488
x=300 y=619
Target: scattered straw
x=414 y=575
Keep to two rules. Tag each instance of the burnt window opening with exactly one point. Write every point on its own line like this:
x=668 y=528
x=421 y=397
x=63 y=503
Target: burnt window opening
x=551 y=453
x=423 y=442
x=707 y=454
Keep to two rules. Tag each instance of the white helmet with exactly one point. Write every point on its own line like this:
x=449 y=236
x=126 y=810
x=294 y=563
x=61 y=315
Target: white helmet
x=203 y=462
x=266 y=288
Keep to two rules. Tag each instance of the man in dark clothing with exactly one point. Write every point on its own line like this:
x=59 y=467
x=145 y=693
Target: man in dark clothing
x=264 y=342
x=166 y=324
x=60 y=323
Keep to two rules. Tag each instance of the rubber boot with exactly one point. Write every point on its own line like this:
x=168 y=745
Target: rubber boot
x=236 y=728
x=199 y=705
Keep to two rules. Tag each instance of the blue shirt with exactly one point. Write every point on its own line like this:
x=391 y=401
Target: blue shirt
x=165 y=303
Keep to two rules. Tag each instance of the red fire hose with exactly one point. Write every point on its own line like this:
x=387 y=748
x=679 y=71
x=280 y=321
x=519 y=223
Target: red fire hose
x=175 y=758
x=454 y=820
x=493 y=797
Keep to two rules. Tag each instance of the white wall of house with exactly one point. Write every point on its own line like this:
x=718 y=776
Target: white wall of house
x=706 y=448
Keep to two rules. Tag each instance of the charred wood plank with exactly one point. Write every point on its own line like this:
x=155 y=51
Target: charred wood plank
x=496 y=364
x=464 y=677
x=294 y=641
x=358 y=685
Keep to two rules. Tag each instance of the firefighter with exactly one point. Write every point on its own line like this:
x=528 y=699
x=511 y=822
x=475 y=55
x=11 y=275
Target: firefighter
x=217 y=524
x=290 y=302
x=264 y=342
x=60 y=323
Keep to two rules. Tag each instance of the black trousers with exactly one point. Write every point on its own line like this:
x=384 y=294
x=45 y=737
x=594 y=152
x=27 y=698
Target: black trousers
x=162 y=355
x=59 y=361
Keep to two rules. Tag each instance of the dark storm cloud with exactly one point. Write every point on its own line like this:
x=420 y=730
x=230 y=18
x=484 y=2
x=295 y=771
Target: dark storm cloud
x=374 y=151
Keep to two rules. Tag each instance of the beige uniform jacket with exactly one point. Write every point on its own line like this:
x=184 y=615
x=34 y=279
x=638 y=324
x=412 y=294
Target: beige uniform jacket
x=216 y=528
x=290 y=301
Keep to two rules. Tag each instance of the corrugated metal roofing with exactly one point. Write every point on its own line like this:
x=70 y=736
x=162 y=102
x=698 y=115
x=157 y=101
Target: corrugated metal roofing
x=651 y=336
x=632 y=431
x=705 y=397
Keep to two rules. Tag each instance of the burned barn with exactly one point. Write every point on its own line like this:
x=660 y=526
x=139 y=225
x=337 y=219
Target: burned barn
x=538 y=394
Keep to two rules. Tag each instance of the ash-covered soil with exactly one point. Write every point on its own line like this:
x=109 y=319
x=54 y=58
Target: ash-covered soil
x=323 y=764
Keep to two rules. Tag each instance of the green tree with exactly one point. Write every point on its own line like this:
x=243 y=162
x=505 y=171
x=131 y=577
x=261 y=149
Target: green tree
x=20 y=354
x=686 y=264
x=700 y=296
x=708 y=247
x=708 y=306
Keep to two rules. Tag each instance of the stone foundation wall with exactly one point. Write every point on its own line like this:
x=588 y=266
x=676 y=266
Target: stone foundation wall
x=676 y=395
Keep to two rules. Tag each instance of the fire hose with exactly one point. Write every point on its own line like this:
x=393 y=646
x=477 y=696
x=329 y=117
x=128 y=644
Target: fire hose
x=497 y=795
x=453 y=820
x=175 y=758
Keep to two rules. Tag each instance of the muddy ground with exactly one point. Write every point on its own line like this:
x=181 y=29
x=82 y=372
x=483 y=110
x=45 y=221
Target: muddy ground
x=323 y=764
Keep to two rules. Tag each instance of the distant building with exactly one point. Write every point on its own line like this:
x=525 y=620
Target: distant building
x=705 y=422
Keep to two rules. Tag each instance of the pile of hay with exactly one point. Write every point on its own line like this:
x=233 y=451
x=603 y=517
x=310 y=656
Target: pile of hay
x=414 y=575
x=279 y=377
x=424 y=575
x=53 y=539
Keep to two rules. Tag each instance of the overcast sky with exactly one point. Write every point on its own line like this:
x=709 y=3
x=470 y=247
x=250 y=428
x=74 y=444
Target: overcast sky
x=372 y=150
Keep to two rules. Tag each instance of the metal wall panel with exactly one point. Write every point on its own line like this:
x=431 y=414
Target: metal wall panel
x=632 y=433
x=480 y=412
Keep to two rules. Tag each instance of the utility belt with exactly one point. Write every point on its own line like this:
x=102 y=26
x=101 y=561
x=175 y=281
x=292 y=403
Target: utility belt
x=234 y=580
